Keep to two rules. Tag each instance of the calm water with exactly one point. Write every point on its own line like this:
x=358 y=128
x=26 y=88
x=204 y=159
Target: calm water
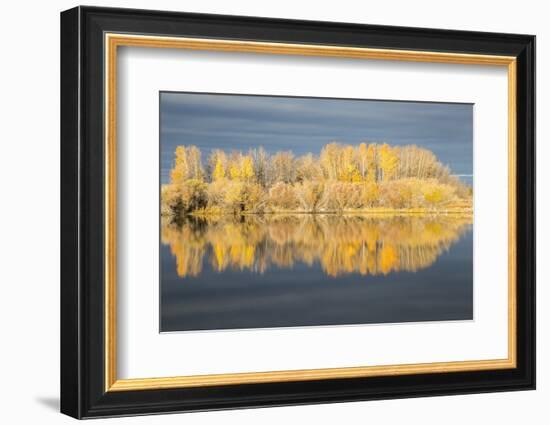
x=279 y=271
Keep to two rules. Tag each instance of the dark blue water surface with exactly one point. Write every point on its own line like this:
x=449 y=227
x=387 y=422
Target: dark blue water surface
x=281 y=284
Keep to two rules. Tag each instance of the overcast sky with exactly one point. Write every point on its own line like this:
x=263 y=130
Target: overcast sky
x=302 y=125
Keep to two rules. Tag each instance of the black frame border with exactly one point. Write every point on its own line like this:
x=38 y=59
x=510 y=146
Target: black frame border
x=82 y=212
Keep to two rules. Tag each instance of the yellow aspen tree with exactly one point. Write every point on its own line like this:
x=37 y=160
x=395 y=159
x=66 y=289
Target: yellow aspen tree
x=247 y=169
x=180 y=171
x=372 y=172
x=362 y=160
x=349 y=171
x=219 y=170
x=217 y=165
x=350 y=174
x=194 y=162
x=389 y=162
x=235 y=172
x=282 y=167
x=308 y=168
x=330 y=160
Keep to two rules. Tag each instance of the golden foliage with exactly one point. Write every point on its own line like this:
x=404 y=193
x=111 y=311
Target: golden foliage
x=219 y=170
x=344 y=178
x=389 y=162
x=284 y=196
x=180 y=171
x=247 y=169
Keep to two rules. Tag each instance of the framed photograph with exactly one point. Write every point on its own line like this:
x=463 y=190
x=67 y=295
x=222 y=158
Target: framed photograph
x=261 y=212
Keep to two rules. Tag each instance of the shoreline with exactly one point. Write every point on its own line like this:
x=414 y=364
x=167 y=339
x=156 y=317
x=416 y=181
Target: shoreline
x=384 y=212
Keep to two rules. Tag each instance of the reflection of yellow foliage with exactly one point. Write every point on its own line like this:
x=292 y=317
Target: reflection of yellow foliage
x=248 y=256
x=388 y=259
x=187 y=247
x=220 y=253
x=340 y=243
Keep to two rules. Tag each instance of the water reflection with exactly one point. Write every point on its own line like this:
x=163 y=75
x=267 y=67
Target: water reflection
x=339 y=244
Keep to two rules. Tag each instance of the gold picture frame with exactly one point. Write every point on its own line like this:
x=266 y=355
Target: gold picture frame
x=113 y=41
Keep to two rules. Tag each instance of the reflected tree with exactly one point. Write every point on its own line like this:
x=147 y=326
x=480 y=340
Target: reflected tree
x=341 y=244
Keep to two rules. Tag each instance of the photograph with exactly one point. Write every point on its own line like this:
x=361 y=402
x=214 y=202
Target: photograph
x=280 y=211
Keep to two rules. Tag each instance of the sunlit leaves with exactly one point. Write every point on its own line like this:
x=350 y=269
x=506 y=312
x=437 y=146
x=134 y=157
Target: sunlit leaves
x=344 y=178
x=219 y=170
x=187 y=165
x=180 y=172
x=389 y=162
x=247 y=169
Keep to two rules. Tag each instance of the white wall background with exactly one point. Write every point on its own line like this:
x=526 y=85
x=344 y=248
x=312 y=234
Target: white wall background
x=29 y=224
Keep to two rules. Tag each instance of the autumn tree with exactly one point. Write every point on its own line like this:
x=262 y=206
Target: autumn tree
x=362 y=160
x=180 y=172
x=234 y=165
x=282 y=168
x=372 y=163
x=349 y=171
x=343 y=178
x=219 y=171
x=283 y=196
x=247 y=169
x=369 y=194
x=260 y=162
x=217 y=165
x=389 y=162
x=308 y=169
x=310 y=195
x=194 y=163
x=330 y=160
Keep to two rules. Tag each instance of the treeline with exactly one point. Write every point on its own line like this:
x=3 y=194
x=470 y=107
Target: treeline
x=342 y=178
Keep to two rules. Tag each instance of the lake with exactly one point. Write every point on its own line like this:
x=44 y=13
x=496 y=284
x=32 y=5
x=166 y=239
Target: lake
x=264 y=271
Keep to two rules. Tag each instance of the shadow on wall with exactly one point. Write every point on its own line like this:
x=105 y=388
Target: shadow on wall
x=49 y=402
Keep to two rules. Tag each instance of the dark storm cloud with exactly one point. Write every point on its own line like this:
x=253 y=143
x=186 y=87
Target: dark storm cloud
x=303 y=125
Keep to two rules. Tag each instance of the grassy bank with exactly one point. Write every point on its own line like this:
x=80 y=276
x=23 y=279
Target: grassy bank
x=455 y=211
